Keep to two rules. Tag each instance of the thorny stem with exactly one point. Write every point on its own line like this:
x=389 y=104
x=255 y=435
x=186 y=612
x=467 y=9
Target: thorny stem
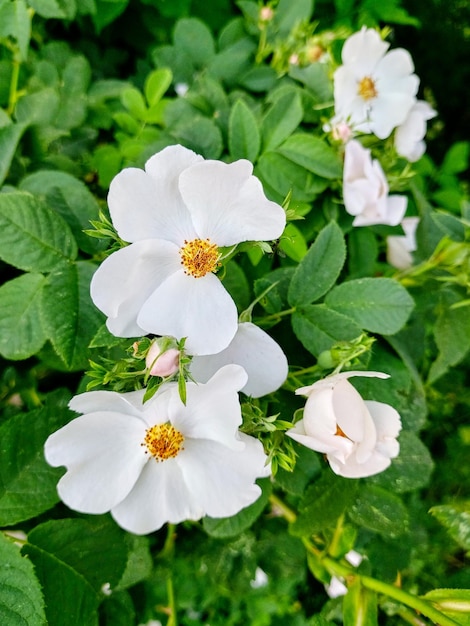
x=345 y=571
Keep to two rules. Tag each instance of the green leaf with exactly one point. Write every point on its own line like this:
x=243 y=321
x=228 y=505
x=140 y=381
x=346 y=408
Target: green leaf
x=21 y=601
x=456 y=158
x=32 y=237
x=15 y=21
x=324 y=502
x=363 y=252
x=380 y=511
x=320 y=267
x=452 y=602
x=69 y=316
x=380 y=305
x=195 y=38
x=281 y=120
x=359 y=605
x=70 y=198
x=139 y=562
x=412 y=468
x=276 y=298
x=201 y=135
x=117 y=610
x=134 y=102
x=231 y=526
x=106 y=12
x=452 y=335
x=94 y=547
x=312 y=153
x=293 y=243
x=289 y=14
x=156 y=84
x=243 y=133
x=21 y=331
x=317 y=327
x=10 y=136
x=27 y=482
x=70 y=599
x=58 y=9
x=456 y=519
x=284 y=176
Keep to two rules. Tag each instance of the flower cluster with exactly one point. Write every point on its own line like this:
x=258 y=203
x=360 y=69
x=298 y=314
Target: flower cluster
x=375 y=93
x=168 y=456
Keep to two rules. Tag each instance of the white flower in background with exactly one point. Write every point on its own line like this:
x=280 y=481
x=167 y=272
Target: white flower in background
x=365 y=189
x=336 y=587
x=410 y=134
x=259 y=355
x=260 y=580
x=400 y=247
x=359 y=437
x=176 y=214
x=374 y=89
x=161 y=461
x=162 y=361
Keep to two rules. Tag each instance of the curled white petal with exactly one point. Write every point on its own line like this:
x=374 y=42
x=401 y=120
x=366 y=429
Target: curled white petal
x=358 y=437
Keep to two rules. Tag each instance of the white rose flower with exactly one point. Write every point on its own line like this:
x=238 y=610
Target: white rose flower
x=410 y=134
x=374 y=90
x=161 y=461
x=259 y=355
x=359 y=437
x=365 y=189
x=400 y=247
x=176 y=214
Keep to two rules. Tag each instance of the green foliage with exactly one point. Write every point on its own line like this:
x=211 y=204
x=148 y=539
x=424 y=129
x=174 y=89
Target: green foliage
x=90 y=88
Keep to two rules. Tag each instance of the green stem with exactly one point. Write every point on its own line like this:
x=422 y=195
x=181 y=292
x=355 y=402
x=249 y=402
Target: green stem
x=345 y=571
x=173 y=618
x=13 y=94
x=275 y=316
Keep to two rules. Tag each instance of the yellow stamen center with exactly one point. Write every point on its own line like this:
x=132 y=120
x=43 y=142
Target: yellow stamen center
x=163 y=442
x=199 y=257
x=366 y=88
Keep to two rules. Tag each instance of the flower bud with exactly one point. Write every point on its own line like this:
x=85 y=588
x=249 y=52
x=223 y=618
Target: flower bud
x=160 y=363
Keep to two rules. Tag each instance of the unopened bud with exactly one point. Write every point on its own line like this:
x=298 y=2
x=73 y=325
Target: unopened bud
x=160 y=363
x=266 y=14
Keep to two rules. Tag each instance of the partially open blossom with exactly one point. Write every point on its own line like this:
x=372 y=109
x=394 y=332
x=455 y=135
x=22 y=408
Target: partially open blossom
x=161 y=361
x=176 y=214
x=410 y=134
x=374 y=89
x=161 y=461
x=358 y=437
x=259 y=355
x=400 y=247
x=365 y=189
x=339 y=129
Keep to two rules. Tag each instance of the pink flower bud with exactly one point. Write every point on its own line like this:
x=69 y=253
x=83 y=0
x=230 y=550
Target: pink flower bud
x=162 y=363
x=266 y=14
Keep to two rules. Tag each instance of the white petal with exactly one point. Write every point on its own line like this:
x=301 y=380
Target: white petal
x=365 y=49
x=330 y=381
x=126 y=279
x=103 y=456
x=212 y=411
x=148 y=204
x=352 y=415
x=197 y=308
x=352 y=469
x=228 y=205
x=259 y=355
x=397 y=254
x=92 y=401
x=159 y=496
x=223 y=481
x=396 y=209
x=388 y=112
x=337 y=445
x=386 y=419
